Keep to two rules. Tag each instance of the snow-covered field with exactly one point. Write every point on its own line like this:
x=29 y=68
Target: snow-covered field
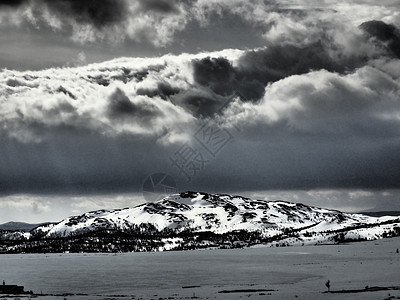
x=291 y=272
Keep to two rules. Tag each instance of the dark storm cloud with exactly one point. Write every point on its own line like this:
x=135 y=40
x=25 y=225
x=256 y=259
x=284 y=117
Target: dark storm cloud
x=105 y=76
x=184 y=26
x=98 y=13
x=257 y=68
x=381 y=30
x=163 y=90
x=76 y=163
x=161 y=6
x=12 y=82
x=387 y=33
x=120 y=104
x=62 y=89
x=223 y=79
x=108 y=22
x=313 y=114
x=12 y=3
x=200 y=103
x=304 y=163
x=276 y=62
x=321 y=130
x=121 y=107
x=215 y=73
x=319 y=106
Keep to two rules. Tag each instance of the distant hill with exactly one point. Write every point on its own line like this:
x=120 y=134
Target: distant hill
x=19 y=226
x=381 y=213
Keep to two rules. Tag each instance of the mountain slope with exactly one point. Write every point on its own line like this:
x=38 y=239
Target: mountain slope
x=199 y=220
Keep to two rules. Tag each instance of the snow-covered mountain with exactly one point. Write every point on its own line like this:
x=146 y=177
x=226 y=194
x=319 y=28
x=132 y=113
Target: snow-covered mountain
x=199 y=220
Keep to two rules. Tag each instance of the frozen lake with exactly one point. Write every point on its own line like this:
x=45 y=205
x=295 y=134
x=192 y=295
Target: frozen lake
x=289 y=272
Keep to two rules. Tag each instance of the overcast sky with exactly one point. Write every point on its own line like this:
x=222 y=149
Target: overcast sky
x=295 y=100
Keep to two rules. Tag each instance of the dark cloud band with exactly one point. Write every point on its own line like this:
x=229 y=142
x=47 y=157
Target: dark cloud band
x=98 y=13
x=12 y=3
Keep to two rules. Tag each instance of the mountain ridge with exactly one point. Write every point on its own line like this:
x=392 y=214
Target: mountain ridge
x=19 y=226
x=193 y=220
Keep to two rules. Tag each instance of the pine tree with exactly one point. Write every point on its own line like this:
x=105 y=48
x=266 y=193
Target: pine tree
x=328 y=285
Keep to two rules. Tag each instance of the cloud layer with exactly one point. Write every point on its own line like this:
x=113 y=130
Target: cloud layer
x=316 y=107
x=298 y=116
x=159 y=21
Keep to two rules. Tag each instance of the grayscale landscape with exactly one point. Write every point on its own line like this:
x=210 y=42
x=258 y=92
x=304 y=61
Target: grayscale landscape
x=205 y=149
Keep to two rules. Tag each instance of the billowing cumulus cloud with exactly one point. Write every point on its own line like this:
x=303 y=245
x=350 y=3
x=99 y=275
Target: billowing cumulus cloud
x=159 y=21
x=256 y=68
x=314 y=106
x=120 y=107
x=386 y=33
x=89 y=21
x=99 y=14
x=316 y=121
